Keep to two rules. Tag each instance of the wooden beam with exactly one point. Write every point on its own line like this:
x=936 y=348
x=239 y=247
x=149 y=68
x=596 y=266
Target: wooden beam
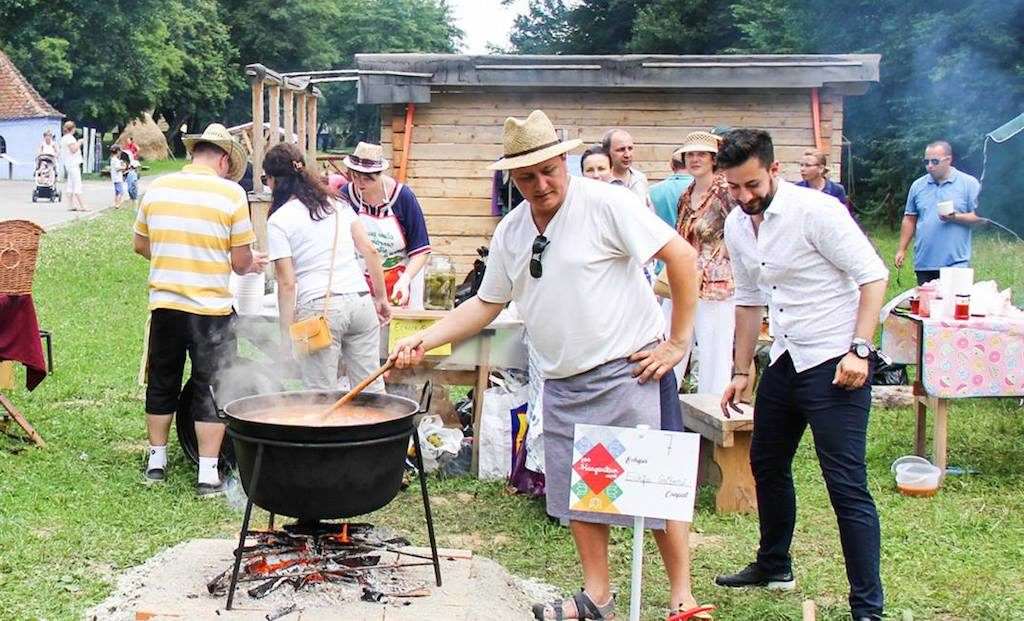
x=274 y=103
x=311 y=128
x=258 y=145
x=289 y=116
x=300 y=121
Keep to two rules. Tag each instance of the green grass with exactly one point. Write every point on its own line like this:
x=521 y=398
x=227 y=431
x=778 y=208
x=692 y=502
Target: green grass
x=151 y=168
x=75 y=514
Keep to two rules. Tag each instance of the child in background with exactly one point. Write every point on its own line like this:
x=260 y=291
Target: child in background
x=131 y=175
x=117 y=168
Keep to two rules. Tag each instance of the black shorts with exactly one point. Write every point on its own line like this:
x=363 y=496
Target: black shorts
x=211 y=345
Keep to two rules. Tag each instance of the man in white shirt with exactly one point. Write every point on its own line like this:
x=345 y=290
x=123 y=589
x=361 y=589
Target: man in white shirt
x=71 y=155
x=570 y=257
x=797 y=251
x=618 y=144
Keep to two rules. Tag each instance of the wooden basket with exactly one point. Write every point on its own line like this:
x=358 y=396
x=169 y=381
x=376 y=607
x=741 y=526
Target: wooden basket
x=19 y=248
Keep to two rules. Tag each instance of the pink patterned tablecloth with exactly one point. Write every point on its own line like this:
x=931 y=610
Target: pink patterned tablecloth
x=981 y=357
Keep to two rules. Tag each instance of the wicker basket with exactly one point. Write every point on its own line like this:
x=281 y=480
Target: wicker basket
x=19 y=247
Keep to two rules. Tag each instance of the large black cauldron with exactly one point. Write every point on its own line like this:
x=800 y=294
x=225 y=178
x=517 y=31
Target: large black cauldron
x=319 y=473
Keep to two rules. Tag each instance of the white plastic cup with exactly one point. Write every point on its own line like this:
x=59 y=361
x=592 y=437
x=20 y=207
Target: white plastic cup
x=946 y=207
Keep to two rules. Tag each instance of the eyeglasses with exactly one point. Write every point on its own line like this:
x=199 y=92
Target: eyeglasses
x=536 y=267
x=934 y=161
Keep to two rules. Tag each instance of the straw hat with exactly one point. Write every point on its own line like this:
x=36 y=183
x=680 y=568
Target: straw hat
x=367 y=158
x=217 y=134
x=530 y=142
x=699 y=141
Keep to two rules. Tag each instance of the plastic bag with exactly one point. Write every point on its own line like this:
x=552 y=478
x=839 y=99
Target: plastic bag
x=503 y=424
x=439 y=443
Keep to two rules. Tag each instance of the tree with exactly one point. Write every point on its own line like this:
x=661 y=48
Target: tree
x=107 y=65
x=209 y=73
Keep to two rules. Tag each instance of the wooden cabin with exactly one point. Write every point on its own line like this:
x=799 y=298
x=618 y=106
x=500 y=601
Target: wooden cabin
x=442 y=115
x=449 y=110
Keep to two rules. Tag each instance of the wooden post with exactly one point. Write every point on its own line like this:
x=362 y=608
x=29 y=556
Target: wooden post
x=941 y=416
x=311 y=128
x=920 y=435
x=810 y=610
x=274 y=102
x=300 y=121
x=22 y=422
x=483 y=372
x=289 y=115
x=257 y=133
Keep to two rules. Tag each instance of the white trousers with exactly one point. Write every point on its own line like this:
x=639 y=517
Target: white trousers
x=714 y=330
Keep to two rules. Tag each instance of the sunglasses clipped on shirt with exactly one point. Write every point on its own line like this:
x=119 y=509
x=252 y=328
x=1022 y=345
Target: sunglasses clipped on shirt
x=934 y=161
x=536 y=267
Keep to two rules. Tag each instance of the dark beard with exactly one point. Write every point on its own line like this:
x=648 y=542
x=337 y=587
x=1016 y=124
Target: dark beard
x=762 y=204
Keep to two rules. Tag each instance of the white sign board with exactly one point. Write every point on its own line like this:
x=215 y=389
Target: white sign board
x=638 y=472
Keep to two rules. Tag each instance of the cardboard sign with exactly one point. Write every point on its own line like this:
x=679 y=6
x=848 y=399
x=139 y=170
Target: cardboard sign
x=398 y=329
x=638 y=472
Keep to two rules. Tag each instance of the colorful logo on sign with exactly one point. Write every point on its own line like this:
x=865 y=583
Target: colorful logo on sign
x=596 y=489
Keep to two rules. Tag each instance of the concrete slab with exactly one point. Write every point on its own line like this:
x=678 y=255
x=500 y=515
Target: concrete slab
x=16 y=203
x=172 y=586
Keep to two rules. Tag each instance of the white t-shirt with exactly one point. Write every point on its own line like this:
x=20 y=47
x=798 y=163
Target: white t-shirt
x=116 y=169
x=70 y=159
x=291 y=232
x=592 y=303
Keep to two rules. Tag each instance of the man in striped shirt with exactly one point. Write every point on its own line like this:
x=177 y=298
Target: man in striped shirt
x=194 y=228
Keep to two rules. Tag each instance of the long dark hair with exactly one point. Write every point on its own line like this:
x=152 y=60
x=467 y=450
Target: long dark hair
x=292 y=179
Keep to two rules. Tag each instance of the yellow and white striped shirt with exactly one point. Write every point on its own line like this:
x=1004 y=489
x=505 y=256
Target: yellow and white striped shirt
x=192 y=219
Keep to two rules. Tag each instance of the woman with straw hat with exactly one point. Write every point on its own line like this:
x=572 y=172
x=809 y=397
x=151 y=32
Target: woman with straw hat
x=394 y=221
x=569 y=257
x=702 y=211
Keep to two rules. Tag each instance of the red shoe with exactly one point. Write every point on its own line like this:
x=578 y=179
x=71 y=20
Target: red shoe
x=697 y=612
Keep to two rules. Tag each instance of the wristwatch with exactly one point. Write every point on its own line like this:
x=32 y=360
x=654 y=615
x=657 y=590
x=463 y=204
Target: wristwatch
x=862 y=348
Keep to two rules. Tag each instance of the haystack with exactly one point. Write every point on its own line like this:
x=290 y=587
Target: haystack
x=151 y=141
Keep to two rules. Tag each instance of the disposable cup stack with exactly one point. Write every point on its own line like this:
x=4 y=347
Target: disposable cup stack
x=249 y=293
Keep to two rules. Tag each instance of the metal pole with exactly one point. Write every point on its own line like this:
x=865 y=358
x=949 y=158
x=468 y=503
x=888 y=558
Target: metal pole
x=638 y=564
x=245 y=527
x=426 y=505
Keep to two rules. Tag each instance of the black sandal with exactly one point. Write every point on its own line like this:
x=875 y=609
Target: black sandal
x=586 y=608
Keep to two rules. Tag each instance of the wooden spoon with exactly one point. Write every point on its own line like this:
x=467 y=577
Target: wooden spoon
x=350 y=395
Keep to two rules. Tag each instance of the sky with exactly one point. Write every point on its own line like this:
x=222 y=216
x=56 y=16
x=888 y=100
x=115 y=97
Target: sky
x=485 y=21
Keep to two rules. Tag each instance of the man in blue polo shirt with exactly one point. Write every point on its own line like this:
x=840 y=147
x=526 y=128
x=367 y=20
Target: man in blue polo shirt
x=943 y=234
x=665 y=194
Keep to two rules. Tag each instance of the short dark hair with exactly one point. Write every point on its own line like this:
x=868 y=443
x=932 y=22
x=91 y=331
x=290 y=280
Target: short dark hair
x=594 y=150
x=739 y=145
x=208 y=147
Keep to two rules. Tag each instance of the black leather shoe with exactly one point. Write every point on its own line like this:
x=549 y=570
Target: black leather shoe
x=154 y=475
x=753 y=576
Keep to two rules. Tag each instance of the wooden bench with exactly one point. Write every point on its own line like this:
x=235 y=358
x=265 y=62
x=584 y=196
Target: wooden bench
x=725 y=450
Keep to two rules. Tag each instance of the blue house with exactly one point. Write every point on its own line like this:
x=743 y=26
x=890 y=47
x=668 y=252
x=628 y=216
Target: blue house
x=24 y=116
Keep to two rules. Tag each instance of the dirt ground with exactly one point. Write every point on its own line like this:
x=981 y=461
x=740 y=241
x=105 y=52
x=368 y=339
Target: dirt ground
x=172 y=586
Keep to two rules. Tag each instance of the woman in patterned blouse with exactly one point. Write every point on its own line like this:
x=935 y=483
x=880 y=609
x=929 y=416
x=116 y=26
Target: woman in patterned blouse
x=703 y=208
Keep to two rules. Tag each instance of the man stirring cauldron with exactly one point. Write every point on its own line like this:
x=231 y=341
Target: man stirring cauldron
x=797 y=251
x=570 y=257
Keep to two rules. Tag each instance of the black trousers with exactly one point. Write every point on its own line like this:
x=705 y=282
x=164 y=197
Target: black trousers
x=787 y=402
x=211 y=345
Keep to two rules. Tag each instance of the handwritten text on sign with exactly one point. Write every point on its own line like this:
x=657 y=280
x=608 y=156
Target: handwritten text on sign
x=400 y=328
x=634 y=472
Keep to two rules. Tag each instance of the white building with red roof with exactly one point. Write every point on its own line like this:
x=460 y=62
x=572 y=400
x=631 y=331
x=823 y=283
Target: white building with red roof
x=24 y=116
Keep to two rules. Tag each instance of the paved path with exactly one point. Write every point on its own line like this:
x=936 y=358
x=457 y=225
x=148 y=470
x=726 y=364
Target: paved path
x=16 y=203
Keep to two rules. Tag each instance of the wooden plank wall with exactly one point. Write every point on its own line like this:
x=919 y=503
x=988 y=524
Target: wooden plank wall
x=456 y=135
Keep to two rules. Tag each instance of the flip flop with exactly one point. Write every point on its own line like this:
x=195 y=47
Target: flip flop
x=697 y=612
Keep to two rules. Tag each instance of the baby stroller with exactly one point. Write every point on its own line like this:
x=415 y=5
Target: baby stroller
x=46 y=178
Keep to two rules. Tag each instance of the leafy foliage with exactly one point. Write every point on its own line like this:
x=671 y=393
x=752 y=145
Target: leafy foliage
x=949 y=71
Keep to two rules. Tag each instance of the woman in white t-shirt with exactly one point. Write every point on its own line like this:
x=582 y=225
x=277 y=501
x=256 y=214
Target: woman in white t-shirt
x=306 y=224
